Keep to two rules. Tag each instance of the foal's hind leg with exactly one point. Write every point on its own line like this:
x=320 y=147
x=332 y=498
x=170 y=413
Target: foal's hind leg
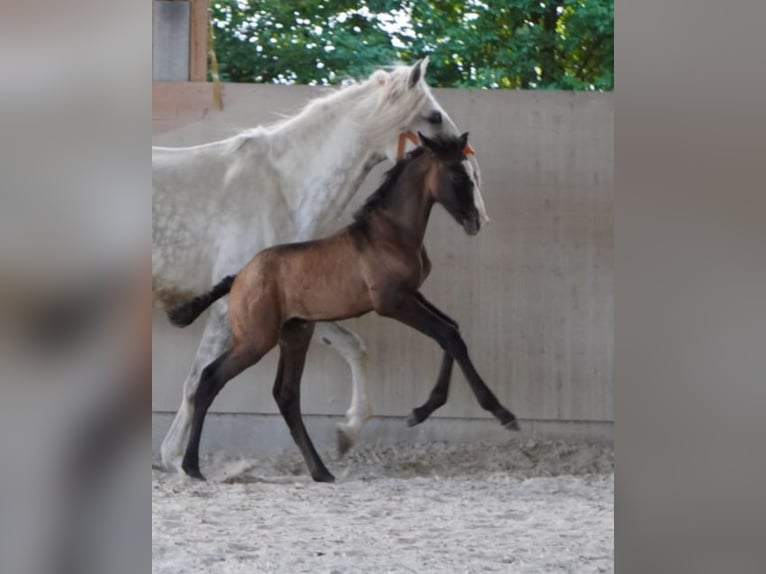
x=213 y=379
x=293 y=344
x=216 y=338
x=351 y=348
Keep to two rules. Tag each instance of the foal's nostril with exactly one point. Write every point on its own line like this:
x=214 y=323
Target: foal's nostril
x=477 y=223
x=472 y=225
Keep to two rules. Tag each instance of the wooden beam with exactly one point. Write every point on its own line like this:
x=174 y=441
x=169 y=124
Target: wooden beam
x=199 y=19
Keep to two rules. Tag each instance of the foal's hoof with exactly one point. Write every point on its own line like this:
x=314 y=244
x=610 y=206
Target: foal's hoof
x=513 y=425
x=323 y=477
x=193 y=472
x=414 y=418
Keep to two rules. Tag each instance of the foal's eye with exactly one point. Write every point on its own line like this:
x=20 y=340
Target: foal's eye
x=435 y=118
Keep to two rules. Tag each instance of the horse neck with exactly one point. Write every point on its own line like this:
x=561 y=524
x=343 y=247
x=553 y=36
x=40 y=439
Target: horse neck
x=409 y=208
x=323 y=156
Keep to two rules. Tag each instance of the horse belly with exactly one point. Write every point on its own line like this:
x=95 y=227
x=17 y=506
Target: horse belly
x=182 y=266
x=194 y=246
x=176 y=282
x=330 y=298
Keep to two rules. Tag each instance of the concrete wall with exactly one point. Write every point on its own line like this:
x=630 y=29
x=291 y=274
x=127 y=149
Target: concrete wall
x=533 y=292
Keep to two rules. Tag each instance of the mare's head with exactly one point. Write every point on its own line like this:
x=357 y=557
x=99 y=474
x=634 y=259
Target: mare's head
x=404 y=107
x=448 y=182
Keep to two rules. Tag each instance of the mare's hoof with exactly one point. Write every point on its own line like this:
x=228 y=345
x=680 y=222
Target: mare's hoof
x=414 y=419
x=513 y=425
x=323 y=477
x=345 y=442
x=171 y=463
x=193 y=472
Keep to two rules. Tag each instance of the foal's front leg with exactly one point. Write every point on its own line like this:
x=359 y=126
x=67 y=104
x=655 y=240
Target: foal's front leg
x=438 y=396
x=415 y=311
x=440 y=392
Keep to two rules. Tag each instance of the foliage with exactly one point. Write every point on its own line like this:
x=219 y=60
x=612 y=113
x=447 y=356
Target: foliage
x=551 y=44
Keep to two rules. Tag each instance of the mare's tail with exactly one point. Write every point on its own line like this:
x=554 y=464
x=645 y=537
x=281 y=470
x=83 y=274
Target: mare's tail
x=186 y=313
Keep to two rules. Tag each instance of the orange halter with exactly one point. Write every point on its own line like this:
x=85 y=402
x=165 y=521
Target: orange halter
x=408 y=135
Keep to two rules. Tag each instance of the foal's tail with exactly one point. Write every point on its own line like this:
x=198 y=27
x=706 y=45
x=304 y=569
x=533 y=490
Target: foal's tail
x=186 y=313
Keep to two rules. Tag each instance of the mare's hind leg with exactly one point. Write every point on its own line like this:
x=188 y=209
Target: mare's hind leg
x=213 y=379
x=351 y=348
x=294 y=342
x=411 y=311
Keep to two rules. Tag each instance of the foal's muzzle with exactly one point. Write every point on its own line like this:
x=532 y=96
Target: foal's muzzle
x=471 y=225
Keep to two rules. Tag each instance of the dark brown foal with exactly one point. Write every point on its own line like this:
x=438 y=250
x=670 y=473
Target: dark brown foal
x=376 y=263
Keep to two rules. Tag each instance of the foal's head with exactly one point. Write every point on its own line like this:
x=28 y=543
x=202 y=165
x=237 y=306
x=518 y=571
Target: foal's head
x=405 y=106
x=448 y=182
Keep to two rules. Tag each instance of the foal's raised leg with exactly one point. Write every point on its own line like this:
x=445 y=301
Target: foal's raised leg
x=294 y=342
x=351 y=348
x=438 y=396
x=440 y=392
x=411 y=311
x=213 y=379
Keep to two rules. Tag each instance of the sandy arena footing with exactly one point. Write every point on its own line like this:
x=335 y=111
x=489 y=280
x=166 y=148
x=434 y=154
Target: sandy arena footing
x=524 y=506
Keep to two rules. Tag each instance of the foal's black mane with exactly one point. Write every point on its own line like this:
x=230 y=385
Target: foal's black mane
x=380 y=196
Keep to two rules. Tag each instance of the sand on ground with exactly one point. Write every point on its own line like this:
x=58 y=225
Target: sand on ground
x=524 y=506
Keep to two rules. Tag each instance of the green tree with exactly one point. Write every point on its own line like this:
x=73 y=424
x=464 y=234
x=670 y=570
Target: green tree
x=304 y=42
x=564 y=44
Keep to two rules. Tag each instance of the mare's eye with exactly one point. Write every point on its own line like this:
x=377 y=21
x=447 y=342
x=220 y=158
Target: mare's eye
x=435 y=118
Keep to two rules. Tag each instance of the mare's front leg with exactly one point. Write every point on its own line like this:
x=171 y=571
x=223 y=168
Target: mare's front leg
x=294 y=342
x=216 y=338
x=351 y=348
x=414 y=311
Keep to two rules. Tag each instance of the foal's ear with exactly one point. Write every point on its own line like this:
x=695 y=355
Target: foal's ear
x=428 y=143
x=463 y=140
x=417 y=72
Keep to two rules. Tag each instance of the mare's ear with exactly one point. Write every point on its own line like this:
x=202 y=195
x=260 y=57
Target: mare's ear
x=381 y=77
x=418 y=71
